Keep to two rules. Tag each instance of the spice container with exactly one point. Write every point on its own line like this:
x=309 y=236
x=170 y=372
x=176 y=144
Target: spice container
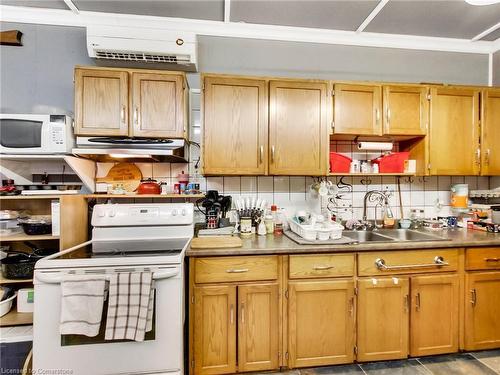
x=245 y=226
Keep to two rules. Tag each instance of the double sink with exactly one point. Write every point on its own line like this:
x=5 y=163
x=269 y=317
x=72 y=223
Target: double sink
x=391 y=235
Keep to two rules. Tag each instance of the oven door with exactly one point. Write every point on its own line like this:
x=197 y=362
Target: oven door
x=160 y=353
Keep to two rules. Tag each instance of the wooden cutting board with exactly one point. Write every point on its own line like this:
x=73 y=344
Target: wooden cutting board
x=215 y=242
x=127 y=174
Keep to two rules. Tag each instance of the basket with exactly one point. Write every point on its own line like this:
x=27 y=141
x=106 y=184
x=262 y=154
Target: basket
x=339 y=163
x=392 y=163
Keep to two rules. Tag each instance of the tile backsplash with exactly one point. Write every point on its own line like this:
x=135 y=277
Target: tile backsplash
x=431 y=194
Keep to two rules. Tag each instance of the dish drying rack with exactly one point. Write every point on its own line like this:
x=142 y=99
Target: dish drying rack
x=317 y=231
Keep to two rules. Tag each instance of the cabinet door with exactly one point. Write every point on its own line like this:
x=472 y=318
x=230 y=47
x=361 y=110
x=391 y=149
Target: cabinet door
x=482 y=311
x=321 y=322
x=258 y=329
x=406 y=110
x=357 y=109
x=383 y=318
x=434 y=317
x=101 y=102
x=298 y=132
x=454 y=131
x=215 y=330
x=235 y=123
x=490 y=132
x=158 y=105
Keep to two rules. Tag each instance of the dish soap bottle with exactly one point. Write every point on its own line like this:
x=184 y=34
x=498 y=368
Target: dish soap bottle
x=389 y=221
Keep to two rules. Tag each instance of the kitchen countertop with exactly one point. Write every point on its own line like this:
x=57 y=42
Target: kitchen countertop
x=270 y=244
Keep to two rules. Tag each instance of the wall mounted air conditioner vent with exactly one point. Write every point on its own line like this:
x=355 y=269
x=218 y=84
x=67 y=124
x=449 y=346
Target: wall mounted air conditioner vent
x=178 y=49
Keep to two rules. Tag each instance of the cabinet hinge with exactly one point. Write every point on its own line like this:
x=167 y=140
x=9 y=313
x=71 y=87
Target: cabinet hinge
x=429 y=96
x=356 y=291
x=203 y=86
x=333 y=92
x=279 y=354
x=333 y=125
x=286 y=294
x=429 y=166
x=192 y=299
x=286 y=355
x=192 y=363
x=356 y=349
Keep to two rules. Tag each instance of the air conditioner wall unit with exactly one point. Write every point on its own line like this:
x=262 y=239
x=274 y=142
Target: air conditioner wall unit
x=178 y=49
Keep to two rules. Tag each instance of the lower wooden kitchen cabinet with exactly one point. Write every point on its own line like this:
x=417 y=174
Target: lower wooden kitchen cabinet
x=320 y=322
x=236 y=322
x=383 y=318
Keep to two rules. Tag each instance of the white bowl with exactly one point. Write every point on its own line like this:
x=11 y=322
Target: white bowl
x=6 y=305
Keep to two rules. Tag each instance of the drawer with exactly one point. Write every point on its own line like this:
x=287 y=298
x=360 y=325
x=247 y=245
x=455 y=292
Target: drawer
x=318 y=266
x=241 y=268
x=485 y=258
x=406 y=262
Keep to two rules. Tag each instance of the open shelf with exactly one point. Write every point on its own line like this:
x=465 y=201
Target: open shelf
x=138 y=196
x=14 y=318
x=371 y=174
x=4 y=281
x=26 y=237
x=22 y=197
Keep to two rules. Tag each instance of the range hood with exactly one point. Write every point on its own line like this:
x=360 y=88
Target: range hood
x=113 y=149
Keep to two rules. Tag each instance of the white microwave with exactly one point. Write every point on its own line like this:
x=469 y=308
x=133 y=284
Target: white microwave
x=36 y=134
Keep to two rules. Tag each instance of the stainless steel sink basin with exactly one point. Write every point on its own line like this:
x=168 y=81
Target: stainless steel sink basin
x=409 y=235
x=366 y=236
x=390 y=235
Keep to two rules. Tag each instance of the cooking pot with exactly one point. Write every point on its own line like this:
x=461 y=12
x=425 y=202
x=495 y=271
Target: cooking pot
x=20 y=265
x=149 y=186
x=36 y=225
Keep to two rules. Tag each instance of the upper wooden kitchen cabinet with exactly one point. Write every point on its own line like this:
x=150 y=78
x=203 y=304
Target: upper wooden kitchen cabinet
x=383 y=318
x=298 y=128
x=130 y=102
x=235 y=126
x=158 y=105
x=434 y=316
x=490 y=132
x=357 y=109
x=101 y=102
x=454 y=131
x=406 y=110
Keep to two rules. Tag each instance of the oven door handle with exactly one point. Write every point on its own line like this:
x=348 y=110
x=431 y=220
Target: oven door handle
x=47 y=278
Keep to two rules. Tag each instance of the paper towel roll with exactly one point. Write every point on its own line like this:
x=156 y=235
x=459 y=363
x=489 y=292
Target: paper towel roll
x=379 y=146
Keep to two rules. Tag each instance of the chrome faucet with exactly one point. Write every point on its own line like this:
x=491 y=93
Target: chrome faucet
x=372 y=196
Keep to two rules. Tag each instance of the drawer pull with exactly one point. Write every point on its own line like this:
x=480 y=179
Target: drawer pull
x=473 y=297
x=417 y=302
x=492 y=259
x=321 y=268
x=238 y=270
x=438 y=262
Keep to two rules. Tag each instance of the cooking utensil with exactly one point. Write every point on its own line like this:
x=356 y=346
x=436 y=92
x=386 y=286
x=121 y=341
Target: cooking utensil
x=18 y=266
x=40 y=251
x=127 y=174
x=36 y=224
x=149 y=186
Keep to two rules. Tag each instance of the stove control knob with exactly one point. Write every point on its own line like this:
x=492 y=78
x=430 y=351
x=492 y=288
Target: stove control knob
x=111 y=213
x=174 y=212
x=184 y=212
x=101 y=213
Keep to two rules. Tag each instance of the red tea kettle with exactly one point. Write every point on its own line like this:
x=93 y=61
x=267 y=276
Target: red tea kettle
x=149 y=186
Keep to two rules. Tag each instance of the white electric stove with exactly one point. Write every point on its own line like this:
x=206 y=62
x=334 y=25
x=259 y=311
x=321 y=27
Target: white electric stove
x=125 y=238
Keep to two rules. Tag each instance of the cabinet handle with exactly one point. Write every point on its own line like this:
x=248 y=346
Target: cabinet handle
x=237 y=270
x=377 y=115
x=231 y=314
x=417 y=302
x=478 y=156
x=407 y=303
x=388 y=116
x=492 y=259
x=242 y=313
x=438 y=262
x=320 y=268
x=122 y=113
x=272 y=154
x=136 y=115
x=261 y=154
x=487 y=157
x=473 y=297
x=351 y=306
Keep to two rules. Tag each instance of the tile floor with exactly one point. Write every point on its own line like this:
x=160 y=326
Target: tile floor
x=476 y=363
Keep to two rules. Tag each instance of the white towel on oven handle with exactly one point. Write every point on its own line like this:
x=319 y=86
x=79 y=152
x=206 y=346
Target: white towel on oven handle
x=128 y=305
x=82 y=299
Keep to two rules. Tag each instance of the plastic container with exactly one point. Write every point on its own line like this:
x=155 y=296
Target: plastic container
x=25 y=300
x=336 y=231
x=459 y=195
x=392 y=163
x=339 y=163
x=323 y=234
x=305 y=231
